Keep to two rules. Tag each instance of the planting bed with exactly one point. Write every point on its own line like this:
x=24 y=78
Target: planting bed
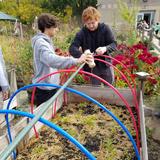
x=92 y=127
x=88 y=124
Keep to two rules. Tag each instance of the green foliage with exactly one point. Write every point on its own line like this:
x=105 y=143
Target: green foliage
x=65 y=36
x=90 y=120
x=149 y=132
x=25 y=10
x=132 y=38
x=137 y=58
x=82 y=104
x=6 y=28
x=80 y=79
x=39 y=150
x=59 y=6
x=128 y=13
x=25 y=61
x=18 y=54
x=110 y=148
x=79 y=5
x=72 y=131
x=10 y=50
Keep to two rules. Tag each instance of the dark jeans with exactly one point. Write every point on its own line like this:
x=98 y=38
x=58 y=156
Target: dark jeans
x=42 y=95
x=107 y=74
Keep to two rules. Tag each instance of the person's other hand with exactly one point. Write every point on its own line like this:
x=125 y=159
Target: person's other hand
x=85 y=58
x=5 y=95
x=101 y=50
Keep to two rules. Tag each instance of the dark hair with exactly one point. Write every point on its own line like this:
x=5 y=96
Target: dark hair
x=46 y=20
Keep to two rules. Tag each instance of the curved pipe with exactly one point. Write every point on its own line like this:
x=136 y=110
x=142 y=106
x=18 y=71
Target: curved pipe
x=128 y=71
x=85 y=96
x=126 y=79
x=134 y=84
x=55 y=127
x=105 y=82
x=110 y=64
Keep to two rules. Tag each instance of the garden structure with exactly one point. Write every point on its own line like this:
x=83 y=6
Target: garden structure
x=85 y=112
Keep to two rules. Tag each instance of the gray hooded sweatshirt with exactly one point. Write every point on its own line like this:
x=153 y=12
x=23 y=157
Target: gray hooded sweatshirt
x=46 y=61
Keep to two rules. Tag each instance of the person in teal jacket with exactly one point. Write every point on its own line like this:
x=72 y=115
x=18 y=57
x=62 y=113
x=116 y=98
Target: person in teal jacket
x=156 y=28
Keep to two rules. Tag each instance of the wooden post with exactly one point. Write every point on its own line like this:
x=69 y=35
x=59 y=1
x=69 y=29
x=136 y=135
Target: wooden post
x=21 y=31
x=142 y=76
x=142 y=35
x=150 y=38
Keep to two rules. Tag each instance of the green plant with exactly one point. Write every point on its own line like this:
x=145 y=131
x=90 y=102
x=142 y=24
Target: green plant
x=25 y=10
x=18 y=55
x=65 y=36
x=137 y=58
x=89 y=120
x=39 y=150
x=108 y=143
x=149 y=132
x=82 y=104
x=128 y=14
x=25 y=66
x=72 y=131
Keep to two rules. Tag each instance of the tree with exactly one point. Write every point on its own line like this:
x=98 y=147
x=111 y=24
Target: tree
x=25 y=10
x=59 y=6
x=128 y=13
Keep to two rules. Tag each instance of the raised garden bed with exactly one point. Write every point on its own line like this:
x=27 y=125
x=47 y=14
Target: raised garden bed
x=90 y=126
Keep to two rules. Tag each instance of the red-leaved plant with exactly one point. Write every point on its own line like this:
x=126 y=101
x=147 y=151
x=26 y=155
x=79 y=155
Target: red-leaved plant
x=137 y=58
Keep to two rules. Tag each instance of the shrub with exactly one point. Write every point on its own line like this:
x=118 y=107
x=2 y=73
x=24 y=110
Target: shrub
x=18 y=55
x=25 y=63
x=137 y=58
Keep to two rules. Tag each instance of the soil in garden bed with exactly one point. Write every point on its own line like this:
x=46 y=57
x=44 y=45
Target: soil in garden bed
x=92 y=127
x=153 y=148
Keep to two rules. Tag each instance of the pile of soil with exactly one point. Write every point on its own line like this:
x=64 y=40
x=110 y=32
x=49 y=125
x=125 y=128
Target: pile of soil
x=92 y=127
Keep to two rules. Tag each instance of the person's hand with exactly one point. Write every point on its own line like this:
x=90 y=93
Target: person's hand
x=5 y=95
x=101 y=50
x=85 y=58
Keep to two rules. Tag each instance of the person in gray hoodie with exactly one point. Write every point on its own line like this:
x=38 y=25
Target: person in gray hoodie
x=4 y=85
x=45 y=59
